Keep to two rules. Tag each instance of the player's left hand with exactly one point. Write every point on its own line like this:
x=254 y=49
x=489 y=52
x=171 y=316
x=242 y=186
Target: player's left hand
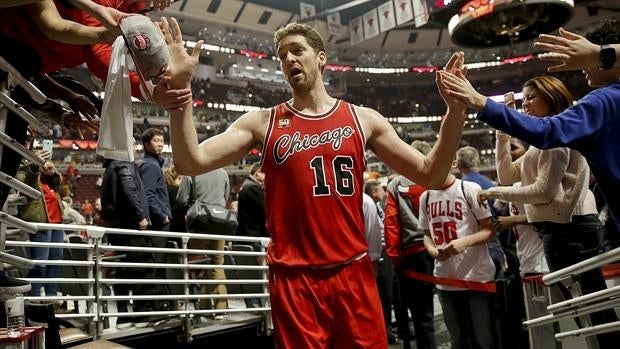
x=182 y=65
x=455 y=64
x=458 y=86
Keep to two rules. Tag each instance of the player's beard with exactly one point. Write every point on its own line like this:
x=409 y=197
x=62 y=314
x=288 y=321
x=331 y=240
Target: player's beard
x=306 y=83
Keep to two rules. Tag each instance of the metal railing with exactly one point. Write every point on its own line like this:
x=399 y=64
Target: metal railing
x=97 y=311
x=579 y=306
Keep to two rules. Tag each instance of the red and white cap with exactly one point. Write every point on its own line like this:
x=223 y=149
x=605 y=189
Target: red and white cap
x=147 y=47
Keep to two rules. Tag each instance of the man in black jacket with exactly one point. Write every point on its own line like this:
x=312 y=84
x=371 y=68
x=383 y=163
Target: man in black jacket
x=150 y=169
x=158 y=203
x=251 y=215
x=251 y=212
x=123 y=200
x=124 y=205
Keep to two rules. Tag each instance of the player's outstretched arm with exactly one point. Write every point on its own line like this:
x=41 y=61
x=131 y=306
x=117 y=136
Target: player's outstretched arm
x=218 y=151
x=439 y=160
x=429 y=171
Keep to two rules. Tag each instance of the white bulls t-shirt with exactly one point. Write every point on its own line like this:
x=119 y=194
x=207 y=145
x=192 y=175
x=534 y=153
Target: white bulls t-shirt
x=448 y=216
x=529 y=245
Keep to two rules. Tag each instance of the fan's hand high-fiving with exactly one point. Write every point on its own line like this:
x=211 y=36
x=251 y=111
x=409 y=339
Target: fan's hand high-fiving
x=571 y=51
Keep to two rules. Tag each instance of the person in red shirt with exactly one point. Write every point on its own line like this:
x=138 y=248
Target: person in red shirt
x=46 y=209
x=17 y=23
x=34 y=55
x=405 y=246
x=321 y=282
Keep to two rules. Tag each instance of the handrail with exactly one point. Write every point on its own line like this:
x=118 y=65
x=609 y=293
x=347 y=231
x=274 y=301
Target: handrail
x=18 y=223
x=180 y=250
x=21 y=150
x=180 y=265
x=97 y=316
x=587 y=298
x=590 y=331
x=581 y=305
x=31 y=89
x=19 y=186
x=179 y=281
x=177 y=296
x=589 y=309
x=583 y=266
x=23 y=113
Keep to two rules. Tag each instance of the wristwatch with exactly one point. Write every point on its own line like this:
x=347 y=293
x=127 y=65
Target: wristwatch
x=607 y=56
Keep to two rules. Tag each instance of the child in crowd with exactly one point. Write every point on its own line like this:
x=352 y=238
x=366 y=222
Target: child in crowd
x=460 y=229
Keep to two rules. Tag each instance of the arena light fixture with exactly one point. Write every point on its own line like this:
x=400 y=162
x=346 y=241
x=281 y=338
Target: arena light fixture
x=489 y=23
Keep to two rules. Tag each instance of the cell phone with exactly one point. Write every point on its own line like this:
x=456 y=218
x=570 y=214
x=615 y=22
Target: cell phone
x=509 y=99
x=48 y=145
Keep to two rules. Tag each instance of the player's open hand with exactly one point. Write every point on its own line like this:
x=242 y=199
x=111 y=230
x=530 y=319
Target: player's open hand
x=454 y=65
x=182 y=65
x=459 y=87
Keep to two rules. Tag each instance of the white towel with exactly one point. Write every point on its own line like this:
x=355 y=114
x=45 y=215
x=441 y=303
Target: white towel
x=116 y=128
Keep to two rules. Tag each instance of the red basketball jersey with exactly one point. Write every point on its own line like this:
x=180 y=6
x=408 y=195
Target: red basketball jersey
x=314 y=166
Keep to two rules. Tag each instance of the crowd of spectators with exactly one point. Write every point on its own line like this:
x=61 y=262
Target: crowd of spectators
x=389 y=99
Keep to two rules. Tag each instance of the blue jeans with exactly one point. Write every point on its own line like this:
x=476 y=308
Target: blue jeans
x=567 y=244
x=46 y=253
x=470 y=318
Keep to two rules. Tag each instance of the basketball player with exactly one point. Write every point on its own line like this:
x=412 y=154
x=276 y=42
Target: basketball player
x=321 y=282
x=460 y=229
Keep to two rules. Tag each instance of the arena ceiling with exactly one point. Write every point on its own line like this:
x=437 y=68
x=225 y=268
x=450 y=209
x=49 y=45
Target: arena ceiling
x=252 y=23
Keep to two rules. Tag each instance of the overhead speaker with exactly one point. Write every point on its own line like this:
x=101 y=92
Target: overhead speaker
x=488 y=23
